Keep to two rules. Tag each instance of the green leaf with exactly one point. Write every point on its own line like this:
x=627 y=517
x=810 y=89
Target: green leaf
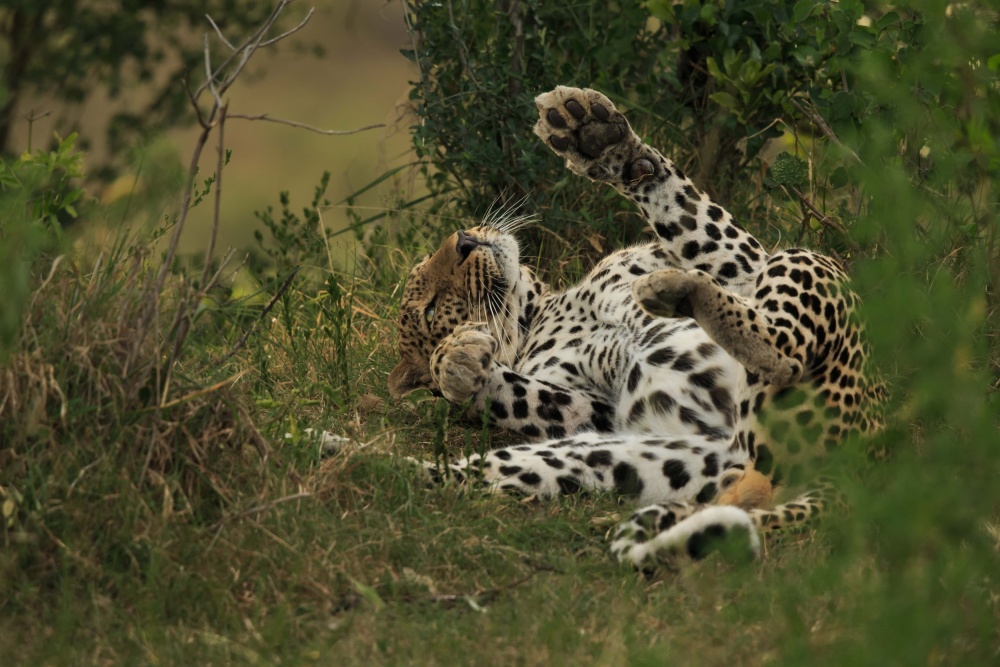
x=725 y=100
x=369 y=594
x=862 y=38
x=713 y=69
x=887 y=20
x=839 y=178
x=662 y=9
x=802 y=10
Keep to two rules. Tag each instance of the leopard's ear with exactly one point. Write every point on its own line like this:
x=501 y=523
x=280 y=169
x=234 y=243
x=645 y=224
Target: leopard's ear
x=407 y=377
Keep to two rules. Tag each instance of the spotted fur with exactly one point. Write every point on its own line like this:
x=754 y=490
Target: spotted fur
x=691 y=372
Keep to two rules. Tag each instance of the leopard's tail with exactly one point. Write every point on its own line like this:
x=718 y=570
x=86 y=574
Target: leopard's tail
x=804 y=508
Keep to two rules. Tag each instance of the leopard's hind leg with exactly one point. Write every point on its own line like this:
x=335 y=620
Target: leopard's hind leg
x=666 y=533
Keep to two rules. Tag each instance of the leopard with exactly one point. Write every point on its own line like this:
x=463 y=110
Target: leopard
x=698 y=374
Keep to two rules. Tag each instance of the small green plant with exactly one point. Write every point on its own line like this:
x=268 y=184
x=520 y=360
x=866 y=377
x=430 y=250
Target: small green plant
x=296 y=240
x=318 y=313
x=47 y=183
x=39 y=192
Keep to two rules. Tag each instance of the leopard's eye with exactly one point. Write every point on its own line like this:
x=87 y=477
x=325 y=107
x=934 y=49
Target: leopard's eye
x=429 y=314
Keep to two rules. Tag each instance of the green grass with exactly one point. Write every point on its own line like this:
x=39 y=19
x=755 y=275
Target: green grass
x=163 y=536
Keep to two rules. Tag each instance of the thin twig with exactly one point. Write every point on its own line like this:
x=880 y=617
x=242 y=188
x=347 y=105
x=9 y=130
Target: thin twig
x=250 y=41
x=218 y=273
x=270 y=304
x=152 y=295
x=255 y=42
x=151 y=298
x=185 y=81
x=217 y=211
x=210 y=76
x=204 y=391
x=31 y=116
x=263 y=447
x=294 y=30
x=258 y=509
x=824 y=220
x=219 y=33
x=491 y=594
x=462 y=51
x=293 y=123
x=824 y=127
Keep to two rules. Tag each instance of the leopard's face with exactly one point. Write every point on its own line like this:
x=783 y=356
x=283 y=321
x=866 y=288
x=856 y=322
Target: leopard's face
x=470 y=278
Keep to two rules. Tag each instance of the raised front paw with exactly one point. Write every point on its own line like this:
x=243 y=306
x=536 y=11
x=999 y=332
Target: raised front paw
x=666 y=293
x=461 y=363
x=583 y=126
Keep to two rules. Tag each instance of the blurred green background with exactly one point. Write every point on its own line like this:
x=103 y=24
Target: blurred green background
x=358 y=78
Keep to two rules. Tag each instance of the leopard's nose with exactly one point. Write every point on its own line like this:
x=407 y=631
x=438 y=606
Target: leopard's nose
x=466 y=244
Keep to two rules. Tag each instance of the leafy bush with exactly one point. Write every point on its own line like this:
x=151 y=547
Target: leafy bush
x=890 y=122
x=710 y=84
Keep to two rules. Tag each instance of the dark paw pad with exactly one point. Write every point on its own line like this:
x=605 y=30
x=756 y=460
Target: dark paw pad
x=555 y=120
x=576 y=109
x=600 y=111
x=595 y=137
x=640 y=169
x=559 y=143
x=597 y=173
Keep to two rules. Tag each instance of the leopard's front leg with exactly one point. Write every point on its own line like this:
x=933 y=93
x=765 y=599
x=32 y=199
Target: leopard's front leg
x=595 y=139
x=585 y=128
x=463 y=367
x=460 y=365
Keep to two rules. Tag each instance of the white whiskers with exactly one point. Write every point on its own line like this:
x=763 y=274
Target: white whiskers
x=502 y=217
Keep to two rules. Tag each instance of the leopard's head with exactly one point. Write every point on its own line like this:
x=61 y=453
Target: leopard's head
x=473 y=277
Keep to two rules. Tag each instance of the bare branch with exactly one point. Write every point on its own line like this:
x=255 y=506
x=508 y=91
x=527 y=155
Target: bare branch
x=255 y=38
x=219 y=33
x=822 y=219
x=209 y=77
x=823 y=126
x=151 y=298
x=150 y=309
x=303 y=126
x=31 y=116
x=185 y=80
x=292 y=31
x=216 y=212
